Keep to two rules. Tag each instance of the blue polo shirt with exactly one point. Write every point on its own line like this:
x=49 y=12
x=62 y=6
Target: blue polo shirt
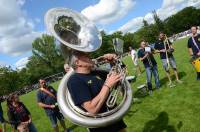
x=141 y=54
x=159 y=45
x=192 y=46
x=47 y=99
x=84 y=87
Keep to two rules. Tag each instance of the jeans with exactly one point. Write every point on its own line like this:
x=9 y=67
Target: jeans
x=32 y=127
x=198 y=75
x=54 y=117
x=149 y=71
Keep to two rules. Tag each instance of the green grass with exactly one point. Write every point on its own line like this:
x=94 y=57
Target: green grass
x=169 y=109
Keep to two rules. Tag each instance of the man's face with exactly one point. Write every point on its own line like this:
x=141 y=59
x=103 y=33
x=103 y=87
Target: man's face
x=16 y=98
x=85 y=61
x=130 y=48
x=194 y=30
x=142 y=45
x=162 y=36
x=42 y=83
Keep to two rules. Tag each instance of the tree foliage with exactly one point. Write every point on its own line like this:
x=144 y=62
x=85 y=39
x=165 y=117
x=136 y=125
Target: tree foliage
x=46 y=58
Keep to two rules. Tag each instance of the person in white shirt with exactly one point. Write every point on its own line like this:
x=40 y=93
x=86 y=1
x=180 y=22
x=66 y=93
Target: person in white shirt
x=135 y=60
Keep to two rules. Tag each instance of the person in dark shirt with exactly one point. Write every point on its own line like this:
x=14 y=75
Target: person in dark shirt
x=150 y=65
x=167 y=59
x=2 y=120
x=19 y=116
x=89 y=90
x=194 y=46
x=47 y=99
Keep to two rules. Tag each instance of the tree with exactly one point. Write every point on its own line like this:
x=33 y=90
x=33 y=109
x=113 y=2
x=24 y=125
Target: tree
x=145 y=23
x=129 y=40
x=46 y=58
x=158 y=22
x=10 y=81
x=183 y=20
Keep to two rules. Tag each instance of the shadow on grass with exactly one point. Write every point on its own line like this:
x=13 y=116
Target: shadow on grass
x=164 y=80
x=180 y=74
x=131 y=113
x=73 y=127
x=159 y=124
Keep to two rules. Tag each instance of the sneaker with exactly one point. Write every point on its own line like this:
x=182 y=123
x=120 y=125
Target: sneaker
x=179 y=81
x=139 y=75
x=170 y=84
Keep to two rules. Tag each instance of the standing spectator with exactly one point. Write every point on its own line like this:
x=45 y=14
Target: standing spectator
x=150 y=66
x=135 y=60
x=166 y=56
x=194 y=46
x=19 y=116
x=47 y=99
x=2 y=121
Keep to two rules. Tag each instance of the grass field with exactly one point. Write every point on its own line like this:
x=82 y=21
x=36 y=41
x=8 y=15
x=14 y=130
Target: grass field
x=168 y=110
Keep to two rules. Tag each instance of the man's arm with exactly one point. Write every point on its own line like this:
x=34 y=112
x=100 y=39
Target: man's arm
x=93 y=106
x=96 y=103
x=144 y=57
x=42 y=105
x=190 y=47
x=40 y=102
x=190 y=51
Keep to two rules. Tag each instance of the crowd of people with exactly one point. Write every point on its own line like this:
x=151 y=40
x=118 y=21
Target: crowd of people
x=89 y=90
x=164 y=47
x=19 y=116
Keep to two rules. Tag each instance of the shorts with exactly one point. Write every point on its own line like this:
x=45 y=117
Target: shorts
x=117 y=126
x=54 y=117
x=172 y=63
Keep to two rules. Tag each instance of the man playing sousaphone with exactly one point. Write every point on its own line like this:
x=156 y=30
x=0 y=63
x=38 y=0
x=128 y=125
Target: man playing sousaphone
x=165 y=48
x=194 y=47
x=86 y=95
x=90 y=91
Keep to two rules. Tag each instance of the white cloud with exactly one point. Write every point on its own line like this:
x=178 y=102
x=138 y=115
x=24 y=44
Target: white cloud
x=108 y=11
x=169 y=7
x=169 y=3
x=195 y=3
x=21 y=2
x=20 y=64
x=16 y=31
x=149 y=18
x=132 y=25
x=166 y=12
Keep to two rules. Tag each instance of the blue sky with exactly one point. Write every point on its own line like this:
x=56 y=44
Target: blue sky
x=22 y=20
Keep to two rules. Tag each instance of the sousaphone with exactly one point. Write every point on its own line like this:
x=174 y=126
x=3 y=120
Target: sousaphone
x=75 y=32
